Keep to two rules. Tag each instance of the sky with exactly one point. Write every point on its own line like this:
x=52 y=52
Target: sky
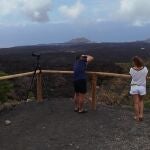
x=28 y=22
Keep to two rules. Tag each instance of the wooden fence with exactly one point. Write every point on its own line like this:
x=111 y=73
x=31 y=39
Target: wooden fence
x=40 y=74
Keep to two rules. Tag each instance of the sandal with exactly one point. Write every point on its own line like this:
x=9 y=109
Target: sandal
x=136 y=119
x=141 y=119
x=83 y=111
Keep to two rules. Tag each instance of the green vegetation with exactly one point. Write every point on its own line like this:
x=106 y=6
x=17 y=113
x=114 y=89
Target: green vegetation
x=147 y=104
x=31 y=95
x=5 y=89
x=124 y=66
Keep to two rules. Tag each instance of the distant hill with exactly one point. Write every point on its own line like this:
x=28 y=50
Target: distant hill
x=61 y=56
x=81 y=40
x=112 y=52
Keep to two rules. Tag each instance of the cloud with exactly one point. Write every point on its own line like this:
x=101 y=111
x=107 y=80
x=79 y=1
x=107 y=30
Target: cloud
x=35 y=10
x=73 y=11
x=7 y=7
x=135 y=11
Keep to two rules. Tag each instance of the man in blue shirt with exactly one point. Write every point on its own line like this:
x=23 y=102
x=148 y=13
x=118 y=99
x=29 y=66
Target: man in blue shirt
x=80 y=81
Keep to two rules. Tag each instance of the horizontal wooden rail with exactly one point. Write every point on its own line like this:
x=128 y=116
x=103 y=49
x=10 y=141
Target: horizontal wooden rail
x=106 y=74
x=57 y=72
x=93 y=82
x=16 y=75
x=103 y=74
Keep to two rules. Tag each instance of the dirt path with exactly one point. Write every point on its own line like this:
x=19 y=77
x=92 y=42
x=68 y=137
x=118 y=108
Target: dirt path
x=54 y=126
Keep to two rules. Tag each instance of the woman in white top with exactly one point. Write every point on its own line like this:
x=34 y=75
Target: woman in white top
x=138 y=86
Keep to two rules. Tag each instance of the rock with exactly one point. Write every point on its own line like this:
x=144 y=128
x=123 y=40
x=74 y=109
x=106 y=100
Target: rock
x=29 y=100
x=77 y=147
x=8 y=106
x=7 y=122
x=52 y=90
x=70 y=144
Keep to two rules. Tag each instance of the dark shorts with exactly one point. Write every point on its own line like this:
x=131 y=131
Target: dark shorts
x=80 y=86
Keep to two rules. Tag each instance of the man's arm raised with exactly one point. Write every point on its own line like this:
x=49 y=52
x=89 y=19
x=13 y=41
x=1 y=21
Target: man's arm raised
x=89 y=58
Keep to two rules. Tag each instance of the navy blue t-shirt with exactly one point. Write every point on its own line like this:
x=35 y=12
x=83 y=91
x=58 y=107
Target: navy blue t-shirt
x=79 y=69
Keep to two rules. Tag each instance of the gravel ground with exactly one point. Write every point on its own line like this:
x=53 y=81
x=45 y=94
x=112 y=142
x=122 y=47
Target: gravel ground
x=53 y=125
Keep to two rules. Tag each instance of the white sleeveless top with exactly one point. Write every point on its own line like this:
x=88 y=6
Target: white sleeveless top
x=139 y=76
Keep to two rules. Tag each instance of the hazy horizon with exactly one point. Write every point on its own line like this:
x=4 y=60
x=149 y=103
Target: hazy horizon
x=61 y=42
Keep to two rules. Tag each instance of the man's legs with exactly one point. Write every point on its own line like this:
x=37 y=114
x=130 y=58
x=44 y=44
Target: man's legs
x=76 y=101
x=80 y=91
x=81 y=101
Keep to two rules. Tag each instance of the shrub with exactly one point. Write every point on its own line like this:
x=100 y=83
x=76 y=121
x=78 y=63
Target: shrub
x=5 y=88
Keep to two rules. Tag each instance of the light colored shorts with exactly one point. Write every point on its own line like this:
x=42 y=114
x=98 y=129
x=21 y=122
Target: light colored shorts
x=136 y=89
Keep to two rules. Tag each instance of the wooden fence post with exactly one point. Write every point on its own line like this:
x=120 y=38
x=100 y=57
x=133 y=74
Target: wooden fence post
x=39 y=87
x=94 y=83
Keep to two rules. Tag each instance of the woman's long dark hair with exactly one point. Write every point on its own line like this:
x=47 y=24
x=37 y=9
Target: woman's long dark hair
x=138 y=61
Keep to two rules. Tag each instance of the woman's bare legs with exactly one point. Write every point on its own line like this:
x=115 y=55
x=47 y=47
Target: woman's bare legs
x=141 y=107
x=136 y=106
